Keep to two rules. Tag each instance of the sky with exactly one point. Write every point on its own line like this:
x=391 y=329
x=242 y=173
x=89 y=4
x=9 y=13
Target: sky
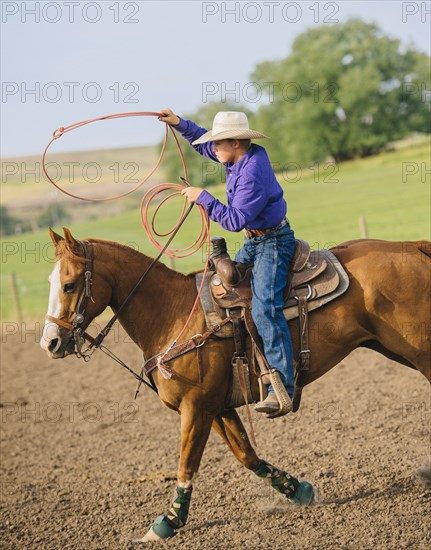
x=67 y=61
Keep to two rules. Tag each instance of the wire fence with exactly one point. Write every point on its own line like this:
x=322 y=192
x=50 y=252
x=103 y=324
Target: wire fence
x=20 y=297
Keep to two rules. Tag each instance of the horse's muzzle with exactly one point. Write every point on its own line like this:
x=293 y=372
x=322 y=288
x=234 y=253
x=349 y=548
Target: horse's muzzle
x=60 y=347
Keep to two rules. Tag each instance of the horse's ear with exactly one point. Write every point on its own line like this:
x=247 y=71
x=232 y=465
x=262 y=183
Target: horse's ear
x=55 y=237
x=71 y=242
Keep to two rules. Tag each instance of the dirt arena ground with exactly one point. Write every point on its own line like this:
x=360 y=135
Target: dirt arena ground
x=84 y=466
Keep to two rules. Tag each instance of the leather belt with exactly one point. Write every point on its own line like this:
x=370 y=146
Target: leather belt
x=249 y=233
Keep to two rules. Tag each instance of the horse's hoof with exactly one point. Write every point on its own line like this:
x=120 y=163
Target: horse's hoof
x=160 y=529
x=150 y=536
x=304 y=495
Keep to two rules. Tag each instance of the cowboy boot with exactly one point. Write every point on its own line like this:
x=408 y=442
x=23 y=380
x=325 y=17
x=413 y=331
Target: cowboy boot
x=268 y=405
x=278 y=403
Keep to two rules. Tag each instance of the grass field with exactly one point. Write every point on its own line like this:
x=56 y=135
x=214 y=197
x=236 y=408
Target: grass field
x=392 y=191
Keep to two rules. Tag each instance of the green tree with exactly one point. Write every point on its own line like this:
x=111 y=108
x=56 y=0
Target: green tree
x=53 y=215
x=7 y=222
x=202 y=172
x=345 y=91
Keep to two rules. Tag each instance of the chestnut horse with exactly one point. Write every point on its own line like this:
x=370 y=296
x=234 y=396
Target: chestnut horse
x=386 y=308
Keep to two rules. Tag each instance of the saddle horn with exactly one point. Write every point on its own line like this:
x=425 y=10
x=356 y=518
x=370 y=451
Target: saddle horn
x=223 y=264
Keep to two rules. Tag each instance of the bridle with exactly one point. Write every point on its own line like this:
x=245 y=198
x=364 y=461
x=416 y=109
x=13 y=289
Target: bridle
x=78 y=334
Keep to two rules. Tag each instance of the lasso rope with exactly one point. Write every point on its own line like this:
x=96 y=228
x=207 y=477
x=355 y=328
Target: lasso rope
x=150 y=196
x=59 y=132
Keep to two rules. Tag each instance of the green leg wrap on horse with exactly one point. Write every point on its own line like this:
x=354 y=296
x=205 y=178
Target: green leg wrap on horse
x=179 y=511
x=280 y=480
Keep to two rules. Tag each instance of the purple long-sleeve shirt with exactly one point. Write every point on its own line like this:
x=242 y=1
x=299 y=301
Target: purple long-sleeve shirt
x=254 y=196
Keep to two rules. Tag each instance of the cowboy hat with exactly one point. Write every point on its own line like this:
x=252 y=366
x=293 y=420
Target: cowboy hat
x=229 y=125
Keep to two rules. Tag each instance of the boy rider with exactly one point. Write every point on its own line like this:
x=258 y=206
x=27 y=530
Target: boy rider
x=255 y=204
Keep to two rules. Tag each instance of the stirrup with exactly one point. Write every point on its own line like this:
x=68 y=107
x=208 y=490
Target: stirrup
x=280 y=392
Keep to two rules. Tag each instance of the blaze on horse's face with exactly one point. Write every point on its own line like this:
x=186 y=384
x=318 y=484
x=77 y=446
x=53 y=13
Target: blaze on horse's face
x=66 y=285
x=66 y=282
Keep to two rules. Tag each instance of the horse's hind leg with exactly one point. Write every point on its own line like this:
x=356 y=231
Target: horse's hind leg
x=230 y=428
x=195 y=429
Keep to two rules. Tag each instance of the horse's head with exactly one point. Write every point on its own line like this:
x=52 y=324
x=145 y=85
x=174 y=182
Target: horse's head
x=77 y=295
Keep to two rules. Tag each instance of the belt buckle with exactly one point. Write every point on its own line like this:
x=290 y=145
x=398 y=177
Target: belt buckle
x=281 y=224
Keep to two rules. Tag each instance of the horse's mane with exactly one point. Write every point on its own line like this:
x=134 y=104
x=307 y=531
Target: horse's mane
x=133 y=254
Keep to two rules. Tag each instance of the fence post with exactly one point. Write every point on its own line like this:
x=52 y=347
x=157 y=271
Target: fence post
x=363 y=227
x=15 y=292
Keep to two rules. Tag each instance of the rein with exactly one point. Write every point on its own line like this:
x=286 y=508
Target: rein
x=105 y=331
x=79 y=336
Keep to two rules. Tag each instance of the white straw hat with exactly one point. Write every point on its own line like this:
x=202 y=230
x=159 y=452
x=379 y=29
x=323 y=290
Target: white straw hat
x=229 y=125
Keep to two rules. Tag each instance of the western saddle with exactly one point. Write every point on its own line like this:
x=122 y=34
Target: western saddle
x=315 y=278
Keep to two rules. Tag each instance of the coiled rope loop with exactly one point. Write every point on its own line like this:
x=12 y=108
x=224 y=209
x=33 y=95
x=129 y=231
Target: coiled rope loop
x=150 y=223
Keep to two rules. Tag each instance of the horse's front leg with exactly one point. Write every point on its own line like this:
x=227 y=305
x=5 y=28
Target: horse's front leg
x=231 y=429
x=195 y=429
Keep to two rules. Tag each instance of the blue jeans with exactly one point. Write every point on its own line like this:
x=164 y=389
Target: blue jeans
x=272 y=255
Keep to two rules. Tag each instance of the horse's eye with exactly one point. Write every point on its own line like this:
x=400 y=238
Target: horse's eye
x=68 y=288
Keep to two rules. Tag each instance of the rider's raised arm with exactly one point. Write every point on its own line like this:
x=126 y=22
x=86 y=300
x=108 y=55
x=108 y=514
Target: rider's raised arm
x=191 y=131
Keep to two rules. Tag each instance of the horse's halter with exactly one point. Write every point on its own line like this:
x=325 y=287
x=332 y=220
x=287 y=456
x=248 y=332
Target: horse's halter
x=79 y=336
